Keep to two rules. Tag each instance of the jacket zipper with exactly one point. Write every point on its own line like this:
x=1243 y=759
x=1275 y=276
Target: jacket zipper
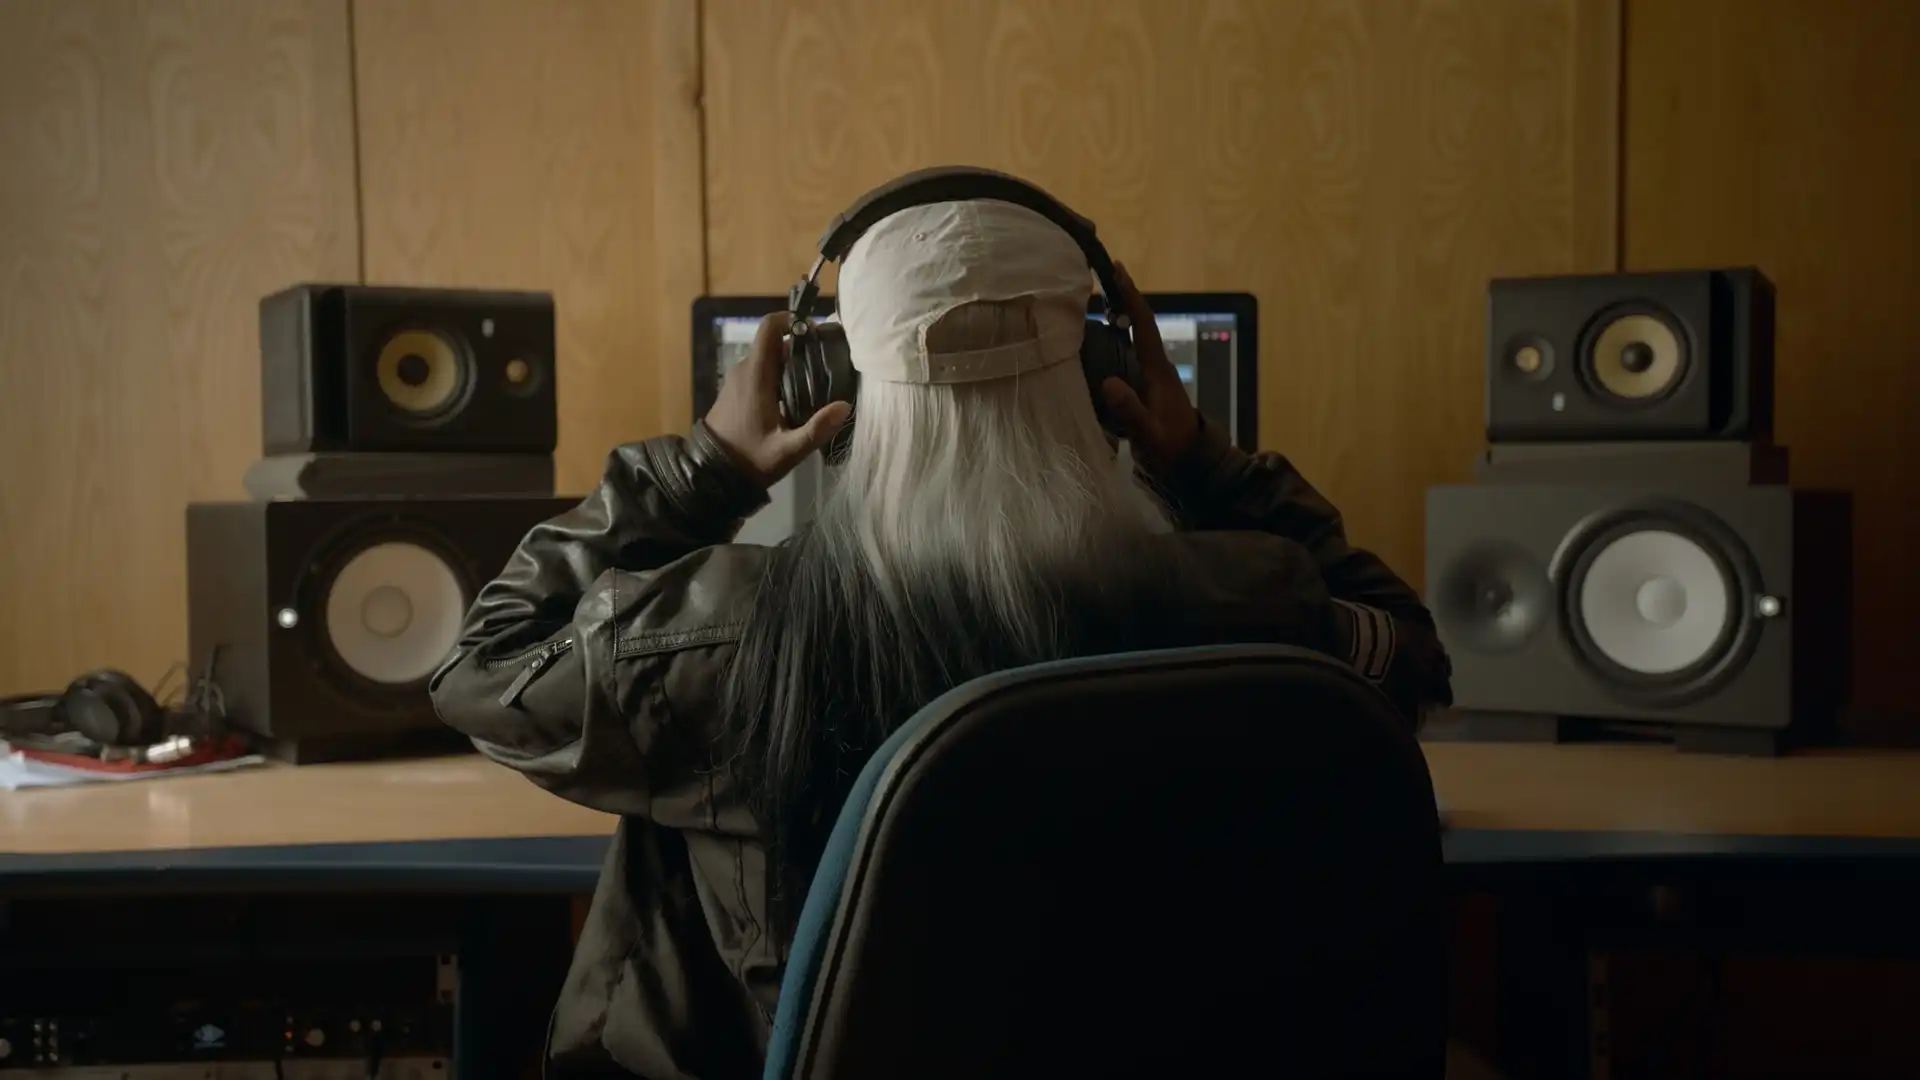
x=523 y=655
x=541 y=661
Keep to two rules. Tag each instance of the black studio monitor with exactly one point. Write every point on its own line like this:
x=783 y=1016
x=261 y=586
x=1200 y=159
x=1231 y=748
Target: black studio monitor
x=1672 y=356
x=357 y=368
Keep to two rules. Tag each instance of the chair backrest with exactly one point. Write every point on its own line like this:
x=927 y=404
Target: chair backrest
x=1209 y=861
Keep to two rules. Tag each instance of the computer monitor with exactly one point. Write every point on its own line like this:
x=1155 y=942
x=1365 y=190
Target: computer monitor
x=723 y=331
x=1213 y=340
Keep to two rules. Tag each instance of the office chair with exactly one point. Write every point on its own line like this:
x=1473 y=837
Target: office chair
x=1219 y=861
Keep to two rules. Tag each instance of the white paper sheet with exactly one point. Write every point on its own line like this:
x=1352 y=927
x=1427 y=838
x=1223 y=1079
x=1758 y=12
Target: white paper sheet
x=18 y=771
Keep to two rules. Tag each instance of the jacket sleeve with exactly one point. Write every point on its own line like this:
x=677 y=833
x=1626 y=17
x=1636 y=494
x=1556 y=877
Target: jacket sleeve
x=532 y=679
x=1389 y=632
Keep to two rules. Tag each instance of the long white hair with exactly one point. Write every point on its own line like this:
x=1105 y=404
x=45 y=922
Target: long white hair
x=973 y=527
x=995 y=487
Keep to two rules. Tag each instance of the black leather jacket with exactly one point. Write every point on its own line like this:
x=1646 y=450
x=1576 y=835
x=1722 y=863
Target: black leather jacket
x=593 y=663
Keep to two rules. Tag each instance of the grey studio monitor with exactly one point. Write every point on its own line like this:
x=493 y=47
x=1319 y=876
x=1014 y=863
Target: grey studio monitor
x=1720 y=615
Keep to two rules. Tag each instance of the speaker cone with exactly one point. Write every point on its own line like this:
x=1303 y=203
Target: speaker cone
x=1636 y=355
x=1495 y=597
x=393 y=612
x=423 y=373
x=1658 y=602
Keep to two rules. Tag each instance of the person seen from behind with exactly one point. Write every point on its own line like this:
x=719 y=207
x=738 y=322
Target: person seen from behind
x=722 y=697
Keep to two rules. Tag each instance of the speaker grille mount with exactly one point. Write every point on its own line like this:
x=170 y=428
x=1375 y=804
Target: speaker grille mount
x=1658 y=601
x=1497 y=596
x=424 y=374
x=1635 y=354
x=393 y=612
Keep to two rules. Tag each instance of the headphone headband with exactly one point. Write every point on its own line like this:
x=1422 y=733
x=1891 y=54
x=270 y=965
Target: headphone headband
x=952 y=183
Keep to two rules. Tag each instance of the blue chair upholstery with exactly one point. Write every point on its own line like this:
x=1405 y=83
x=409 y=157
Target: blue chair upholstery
x=1198 y=862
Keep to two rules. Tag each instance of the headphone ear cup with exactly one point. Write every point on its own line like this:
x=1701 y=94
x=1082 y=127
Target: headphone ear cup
x=111 y=709
x=1106 y=352
x=843 y=384
x=819 y=371
x=796 y=382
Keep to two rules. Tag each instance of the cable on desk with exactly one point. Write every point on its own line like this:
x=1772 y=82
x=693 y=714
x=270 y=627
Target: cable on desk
x=376 y=1049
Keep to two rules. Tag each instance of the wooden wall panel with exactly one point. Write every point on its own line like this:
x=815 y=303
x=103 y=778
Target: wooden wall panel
x=1783 y=133
x=1362 y=166
x=162 y=165
x=522 y=144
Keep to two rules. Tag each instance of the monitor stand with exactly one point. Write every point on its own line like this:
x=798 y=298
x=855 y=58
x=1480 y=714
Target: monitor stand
x=791 y=504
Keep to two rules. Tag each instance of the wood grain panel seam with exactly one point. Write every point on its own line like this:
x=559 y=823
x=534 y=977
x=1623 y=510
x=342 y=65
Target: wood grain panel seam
x=1598 y=101
x=1617 y=94
x=700 y=116
x=353 y=105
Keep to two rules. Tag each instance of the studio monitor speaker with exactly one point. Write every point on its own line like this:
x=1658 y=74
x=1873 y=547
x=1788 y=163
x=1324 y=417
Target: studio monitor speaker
x=1677 y=355
x=366 y=368
x=1718 y=617
x=330 y=615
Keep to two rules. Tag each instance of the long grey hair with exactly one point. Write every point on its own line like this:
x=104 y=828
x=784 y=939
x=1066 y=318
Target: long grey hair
x=973 y=527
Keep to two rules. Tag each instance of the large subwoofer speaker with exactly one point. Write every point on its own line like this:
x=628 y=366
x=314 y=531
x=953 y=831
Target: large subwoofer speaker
x=1720 y=616
x=330 y=615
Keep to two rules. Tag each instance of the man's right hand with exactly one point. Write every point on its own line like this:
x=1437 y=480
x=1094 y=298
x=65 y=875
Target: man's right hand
x=1160 y=421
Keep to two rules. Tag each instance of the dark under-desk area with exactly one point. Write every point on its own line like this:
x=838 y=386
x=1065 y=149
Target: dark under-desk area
x=1573 y=866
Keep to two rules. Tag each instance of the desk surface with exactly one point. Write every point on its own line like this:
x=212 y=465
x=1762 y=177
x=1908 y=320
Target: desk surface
x=1854 y=794
x=1857 y=794
x=468 y=816
x=454 y=798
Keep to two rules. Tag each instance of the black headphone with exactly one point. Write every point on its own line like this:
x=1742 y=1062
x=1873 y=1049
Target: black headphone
x=110 y=709
x=819 y=368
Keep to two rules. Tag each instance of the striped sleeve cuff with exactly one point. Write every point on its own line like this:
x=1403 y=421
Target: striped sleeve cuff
x=1370 y=640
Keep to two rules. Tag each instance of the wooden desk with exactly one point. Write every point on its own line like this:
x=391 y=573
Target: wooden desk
x=1516 y=808
x=1578 y=816
x=453 y=798
x=459 y=824
x=1855 y=794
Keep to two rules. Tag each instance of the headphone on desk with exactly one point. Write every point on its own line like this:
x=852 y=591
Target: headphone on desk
x=110 y=709
x=819 y=367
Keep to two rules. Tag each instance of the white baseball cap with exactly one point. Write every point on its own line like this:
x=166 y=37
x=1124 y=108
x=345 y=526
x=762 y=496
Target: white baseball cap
x=915 y=267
